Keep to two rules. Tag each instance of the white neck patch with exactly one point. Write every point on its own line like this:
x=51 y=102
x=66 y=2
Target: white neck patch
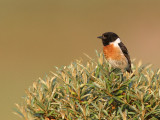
x=115 y=43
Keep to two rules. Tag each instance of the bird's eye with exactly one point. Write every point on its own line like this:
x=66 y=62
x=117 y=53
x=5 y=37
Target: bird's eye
x=104 y=37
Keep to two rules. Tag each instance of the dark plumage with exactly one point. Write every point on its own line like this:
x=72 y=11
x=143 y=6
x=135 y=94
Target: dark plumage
x=115 y=51
x=126 y=54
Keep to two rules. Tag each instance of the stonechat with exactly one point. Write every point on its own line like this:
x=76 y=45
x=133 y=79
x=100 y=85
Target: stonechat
x=115 y=51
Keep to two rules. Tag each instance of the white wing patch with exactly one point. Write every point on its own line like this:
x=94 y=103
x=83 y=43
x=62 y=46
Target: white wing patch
x=115 y=43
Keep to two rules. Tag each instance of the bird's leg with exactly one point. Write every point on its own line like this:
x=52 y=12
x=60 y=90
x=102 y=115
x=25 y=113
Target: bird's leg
x=120 y=74
x=112 y=71
x=122 y=77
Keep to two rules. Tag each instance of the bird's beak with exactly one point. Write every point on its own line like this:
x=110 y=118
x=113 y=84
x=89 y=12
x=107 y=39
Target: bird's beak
x=100 y=37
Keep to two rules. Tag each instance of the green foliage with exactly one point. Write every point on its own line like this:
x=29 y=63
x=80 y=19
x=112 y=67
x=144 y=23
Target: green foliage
x=92 y=92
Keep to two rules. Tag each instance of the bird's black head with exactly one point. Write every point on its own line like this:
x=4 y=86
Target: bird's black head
x=108 y=37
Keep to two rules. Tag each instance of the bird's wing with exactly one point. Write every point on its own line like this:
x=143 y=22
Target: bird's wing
x=126 y=54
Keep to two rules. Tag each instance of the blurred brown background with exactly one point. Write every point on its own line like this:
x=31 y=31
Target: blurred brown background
x=36 y=35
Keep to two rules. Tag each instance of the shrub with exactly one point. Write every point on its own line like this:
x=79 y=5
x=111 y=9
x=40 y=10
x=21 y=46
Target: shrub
x=91 y=91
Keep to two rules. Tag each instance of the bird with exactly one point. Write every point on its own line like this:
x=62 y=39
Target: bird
x=115 y=51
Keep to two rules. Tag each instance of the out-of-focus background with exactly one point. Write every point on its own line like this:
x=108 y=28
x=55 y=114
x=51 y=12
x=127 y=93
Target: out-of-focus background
x=36 y=35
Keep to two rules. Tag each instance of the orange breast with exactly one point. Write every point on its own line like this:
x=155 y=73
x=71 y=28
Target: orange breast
x=112 y=52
